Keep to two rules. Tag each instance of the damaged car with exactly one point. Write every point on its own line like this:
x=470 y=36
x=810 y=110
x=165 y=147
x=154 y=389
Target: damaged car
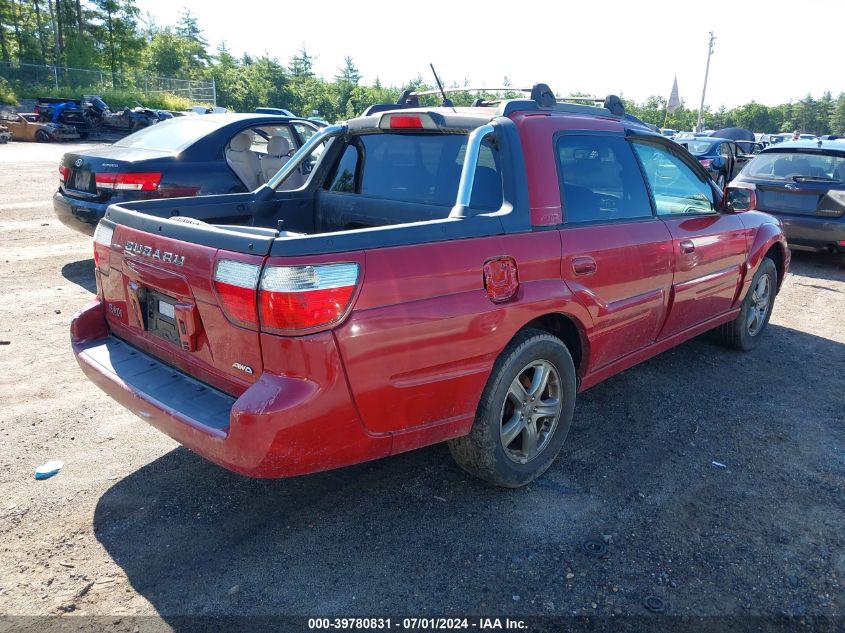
x=27 y=127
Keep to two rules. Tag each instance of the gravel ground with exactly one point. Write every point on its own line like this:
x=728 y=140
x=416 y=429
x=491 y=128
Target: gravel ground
x=136 y=525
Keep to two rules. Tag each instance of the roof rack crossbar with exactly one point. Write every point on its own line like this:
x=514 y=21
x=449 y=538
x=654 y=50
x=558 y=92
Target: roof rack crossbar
x=541 y=98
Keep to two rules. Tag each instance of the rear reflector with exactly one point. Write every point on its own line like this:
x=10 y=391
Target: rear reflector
x=305 y=297
x=102 y=242
x=103 y=234
x=64 y=172
x=129 y=182
x=235 y=283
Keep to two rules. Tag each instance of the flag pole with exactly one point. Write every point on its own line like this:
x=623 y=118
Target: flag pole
x=698 y=125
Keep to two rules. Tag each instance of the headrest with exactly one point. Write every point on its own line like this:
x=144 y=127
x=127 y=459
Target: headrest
x=278 y=146
x=241 y=142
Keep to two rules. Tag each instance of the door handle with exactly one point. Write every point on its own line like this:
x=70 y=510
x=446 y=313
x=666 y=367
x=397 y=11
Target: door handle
x=687 y=247
x=584 y=265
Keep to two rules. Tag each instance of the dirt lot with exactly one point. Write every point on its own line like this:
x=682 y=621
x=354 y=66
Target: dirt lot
x=134 y=524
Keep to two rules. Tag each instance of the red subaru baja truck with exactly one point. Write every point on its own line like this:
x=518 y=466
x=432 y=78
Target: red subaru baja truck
x=443 y=274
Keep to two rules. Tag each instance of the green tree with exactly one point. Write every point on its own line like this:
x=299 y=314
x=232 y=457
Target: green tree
x=837 y=115
x=118 y=19
x=301 y=64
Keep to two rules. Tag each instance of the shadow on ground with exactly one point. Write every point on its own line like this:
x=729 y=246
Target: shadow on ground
x=81 y=273
x=414 y=535
x=818 y=265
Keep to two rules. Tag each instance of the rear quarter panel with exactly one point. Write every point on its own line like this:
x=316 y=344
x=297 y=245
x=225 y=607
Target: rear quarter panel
x=423 y=338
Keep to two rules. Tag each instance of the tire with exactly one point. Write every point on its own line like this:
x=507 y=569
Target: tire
x=42 y=137
x=743 y=333
x=498 y=448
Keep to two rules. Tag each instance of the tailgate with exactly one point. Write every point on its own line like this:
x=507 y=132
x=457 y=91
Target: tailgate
x=801 y=198
x=160 y=297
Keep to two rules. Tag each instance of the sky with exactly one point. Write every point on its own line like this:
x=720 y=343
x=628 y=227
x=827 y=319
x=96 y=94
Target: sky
x=769 y=52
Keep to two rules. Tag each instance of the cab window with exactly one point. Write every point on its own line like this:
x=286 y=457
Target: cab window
x=601 y=180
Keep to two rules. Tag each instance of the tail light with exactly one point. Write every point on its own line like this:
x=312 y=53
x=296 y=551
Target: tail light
x=706 y=162
x=64 y=172
x=306 y=297
x=102 y=243
x=235 y=283
x=148 y=181
x=393 y=121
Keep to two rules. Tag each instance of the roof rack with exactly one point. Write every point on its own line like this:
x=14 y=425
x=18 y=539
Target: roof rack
x=541 y=97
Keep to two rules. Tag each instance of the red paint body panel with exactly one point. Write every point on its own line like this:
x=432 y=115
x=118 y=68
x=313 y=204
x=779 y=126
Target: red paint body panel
x=423 y=337
x=627 y=294
x=406 y=365
x=273 y=423
x=706 y=280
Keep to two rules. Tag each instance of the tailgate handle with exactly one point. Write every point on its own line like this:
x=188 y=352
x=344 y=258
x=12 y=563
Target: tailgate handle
x=187 y=324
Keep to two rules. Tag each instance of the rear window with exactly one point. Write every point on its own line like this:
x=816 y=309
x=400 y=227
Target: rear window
x=698 y=147
x=601 y=180
x=173 y=135
x=788 y=165
x=420 y=168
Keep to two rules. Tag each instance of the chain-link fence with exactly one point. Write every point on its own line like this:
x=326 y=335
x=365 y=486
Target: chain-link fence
x=80 y=79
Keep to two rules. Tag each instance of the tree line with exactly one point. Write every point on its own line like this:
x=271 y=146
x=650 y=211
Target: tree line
x=113 y=36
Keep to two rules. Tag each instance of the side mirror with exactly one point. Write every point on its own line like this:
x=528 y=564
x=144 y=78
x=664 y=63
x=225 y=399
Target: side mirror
x=739 y=199
x=718 y=162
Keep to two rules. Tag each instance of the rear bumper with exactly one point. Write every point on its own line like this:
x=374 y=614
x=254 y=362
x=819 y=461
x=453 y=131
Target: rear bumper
x=79 y=215
x=281 y=426
x=814 y=233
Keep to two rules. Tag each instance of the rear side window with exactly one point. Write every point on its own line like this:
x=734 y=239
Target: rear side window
x=790 y=165
x=420 y=168
x=601 y=180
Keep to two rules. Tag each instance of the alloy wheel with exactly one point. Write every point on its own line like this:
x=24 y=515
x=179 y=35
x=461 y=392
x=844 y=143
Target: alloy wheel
x=531 y=411
x=761 y=296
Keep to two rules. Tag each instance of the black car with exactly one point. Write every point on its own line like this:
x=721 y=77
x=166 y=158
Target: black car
x=721 y=157
x=184 y=156
x=803 y=184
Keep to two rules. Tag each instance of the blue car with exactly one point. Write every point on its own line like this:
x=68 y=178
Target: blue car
x=183 y=156
x=722 y=158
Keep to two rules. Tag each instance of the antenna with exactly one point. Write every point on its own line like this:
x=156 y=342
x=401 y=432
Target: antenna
x=446 y=101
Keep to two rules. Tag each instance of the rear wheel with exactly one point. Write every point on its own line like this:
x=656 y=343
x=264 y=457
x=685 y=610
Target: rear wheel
x=42 y=137
x=744 y=332
x=524 y=414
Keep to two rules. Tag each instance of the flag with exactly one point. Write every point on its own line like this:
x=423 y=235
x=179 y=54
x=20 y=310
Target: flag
x=674 y=100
